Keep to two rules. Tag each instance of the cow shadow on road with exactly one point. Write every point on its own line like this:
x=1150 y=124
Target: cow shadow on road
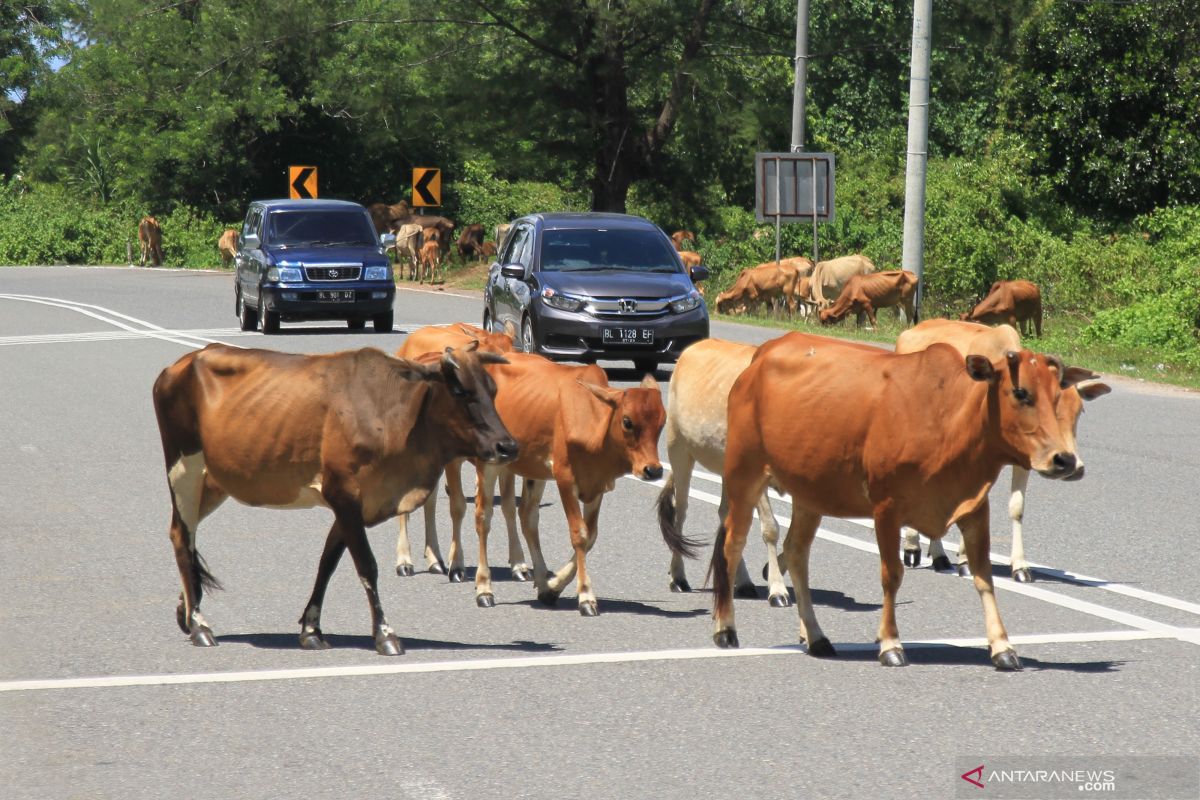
x=608 y=606
x=949 y=655
x=342 y=641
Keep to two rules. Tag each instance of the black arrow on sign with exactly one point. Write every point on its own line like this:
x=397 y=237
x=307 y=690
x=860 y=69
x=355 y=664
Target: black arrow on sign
x=422 y=187
x=301 y=178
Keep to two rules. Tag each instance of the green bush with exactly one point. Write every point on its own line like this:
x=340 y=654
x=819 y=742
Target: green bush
x=479 y=196
x=1165 y=323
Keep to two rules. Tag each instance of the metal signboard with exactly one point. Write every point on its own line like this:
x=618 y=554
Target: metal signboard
x=302 y=183
x=789 y=186
x=427 y=187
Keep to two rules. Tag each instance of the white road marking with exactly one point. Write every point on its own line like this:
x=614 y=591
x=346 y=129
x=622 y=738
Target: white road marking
x=153 y=330
x=528 y=662
x=112 y=336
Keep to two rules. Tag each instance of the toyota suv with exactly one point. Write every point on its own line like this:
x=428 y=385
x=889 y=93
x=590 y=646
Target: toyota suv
x=583 y=287
x=312 y=260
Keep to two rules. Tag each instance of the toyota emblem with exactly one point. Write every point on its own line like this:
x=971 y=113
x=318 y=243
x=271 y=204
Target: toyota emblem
x=333 y=273
x=627 y=306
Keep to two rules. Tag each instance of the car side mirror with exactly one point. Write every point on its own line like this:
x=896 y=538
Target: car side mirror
x=250 y=242
x=698 y=273
x=387 y=240
x=514 y=271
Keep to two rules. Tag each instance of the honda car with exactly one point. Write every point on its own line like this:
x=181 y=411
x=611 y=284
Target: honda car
x=584 y=287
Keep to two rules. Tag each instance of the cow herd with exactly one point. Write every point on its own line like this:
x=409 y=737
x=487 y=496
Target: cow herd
x=911 y=438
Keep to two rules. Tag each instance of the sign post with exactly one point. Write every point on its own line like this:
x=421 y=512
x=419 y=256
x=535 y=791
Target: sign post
x=794 y=187
x=302 y=183
x=426 y=187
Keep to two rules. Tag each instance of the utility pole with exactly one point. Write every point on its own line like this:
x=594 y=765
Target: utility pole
x=799 y=91
x=913 y=258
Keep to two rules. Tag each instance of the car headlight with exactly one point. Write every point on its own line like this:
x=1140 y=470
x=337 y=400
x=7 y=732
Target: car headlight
x=561 y=301
x=285 y=274
x=686 y=303
x=378 y=273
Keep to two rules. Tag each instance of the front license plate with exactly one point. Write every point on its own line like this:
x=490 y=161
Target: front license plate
x=336 y=296
x=628 y=336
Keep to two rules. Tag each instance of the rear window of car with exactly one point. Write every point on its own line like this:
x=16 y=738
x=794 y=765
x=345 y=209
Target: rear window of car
x=348 y=227
x=594 y=250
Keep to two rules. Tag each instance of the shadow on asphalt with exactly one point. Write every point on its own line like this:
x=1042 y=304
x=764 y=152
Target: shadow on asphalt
x=325 y=331
x=613 y=607
x=949 y=655
x=341 y=641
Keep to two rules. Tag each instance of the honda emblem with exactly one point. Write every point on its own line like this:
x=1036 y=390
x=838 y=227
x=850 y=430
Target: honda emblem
x=627 y=306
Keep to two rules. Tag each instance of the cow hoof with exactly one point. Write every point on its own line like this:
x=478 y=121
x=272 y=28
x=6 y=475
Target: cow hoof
x=893 y=658
x=587 y=608
x=822 y=648
x=681 y=586
x=780 y=601
x=522 y=574
x=942 y=564
x=747 y=591
x=548 y=598
x=202 y=636
x=181 y=619
x=726 y=638
x=458 y=575
x=485 y=600
x=1007 y=661
x=312 y=640
x=912 y=558
x=388 y=645
x=436 y=568
x=964 y=571
x=404 y=570
x=1022 y=575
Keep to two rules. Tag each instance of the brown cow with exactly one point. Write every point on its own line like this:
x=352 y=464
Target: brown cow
x=765 y=282
x=359 y=432
x=863 y=294
x=992 y=343
x=150 y=238
x=906 y=439
x=435 y=339
x=1013 y=302
x=828 y=277
x=430 y=257
x=575 y=430
x=470 y=242
x=386 y=217
x=227 y=246
x=487 y=249
x=679 y=237
x=443 y=225
x=690 y=258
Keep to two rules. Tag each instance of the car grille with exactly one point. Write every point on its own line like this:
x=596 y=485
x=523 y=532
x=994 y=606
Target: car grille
x=610 y=307
x=333 y=272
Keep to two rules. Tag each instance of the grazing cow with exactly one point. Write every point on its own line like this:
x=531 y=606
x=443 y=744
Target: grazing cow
x=992 y=343
x=430 y=257
x=435 y=339
x=828 y=277
x=150 y=238
x=487 y=249
x=386 y=217
x=679 y=237
x=690 y=258
x=575 y=430
x=866 y=293
x=1016 y=303
x=444 y=227
x=913 y=439
x=409 y=239
x=697 y=412
x=359 y=432
x=470 y=242
x=765 y=282
x=501 y=233
x=227 y=246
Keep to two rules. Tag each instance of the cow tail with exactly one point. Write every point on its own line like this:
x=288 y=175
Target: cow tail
x=679 y=544
x=718 y=573
x=203 y=576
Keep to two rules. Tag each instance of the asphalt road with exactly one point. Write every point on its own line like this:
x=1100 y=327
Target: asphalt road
x=521 y=700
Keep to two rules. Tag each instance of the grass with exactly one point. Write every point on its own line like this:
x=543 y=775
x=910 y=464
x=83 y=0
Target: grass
x=1060 y=337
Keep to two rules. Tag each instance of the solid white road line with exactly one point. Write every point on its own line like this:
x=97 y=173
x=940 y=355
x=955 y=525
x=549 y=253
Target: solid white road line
x=527 y=662
x=82 y=308
x=112 y=336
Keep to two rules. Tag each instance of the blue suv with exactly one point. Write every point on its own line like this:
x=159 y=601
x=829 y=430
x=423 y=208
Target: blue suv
x=312 y=260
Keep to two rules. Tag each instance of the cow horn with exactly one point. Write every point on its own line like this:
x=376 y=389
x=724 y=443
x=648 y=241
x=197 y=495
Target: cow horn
x=448 y=359
x=1014 y=366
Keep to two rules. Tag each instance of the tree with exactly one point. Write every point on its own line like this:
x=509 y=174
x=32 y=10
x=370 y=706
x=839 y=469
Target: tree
x=30 y=36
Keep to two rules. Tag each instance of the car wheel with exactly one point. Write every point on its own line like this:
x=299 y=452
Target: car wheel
x=528 y=345
x=246 y=315
x=356 y=324
x=645 y=365
x=270 y=320
x=383 y=322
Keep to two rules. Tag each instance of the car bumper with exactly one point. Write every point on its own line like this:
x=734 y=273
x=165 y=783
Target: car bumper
x=299 y=301
x=578 y=336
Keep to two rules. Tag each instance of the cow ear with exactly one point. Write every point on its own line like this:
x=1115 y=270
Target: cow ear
x=980 y=369
x=1093 y=390
x=416 y=371
x=1074 y=375
x=488 y=357
x=606 y=395
x=585 y=413
x=468 y=330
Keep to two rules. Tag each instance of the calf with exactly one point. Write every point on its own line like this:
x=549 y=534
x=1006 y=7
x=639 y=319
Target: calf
x=1016 y=303
x=430 y=257
x=970 y=337
x=150 y=238
x=358 y=432
x=227 y=247
x=912 y=439
x=470 y=242
x=866 y=293
x=487 y=249
x=828 y=277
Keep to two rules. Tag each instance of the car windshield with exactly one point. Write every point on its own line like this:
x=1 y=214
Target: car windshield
x=595 y=250
x=348 y=227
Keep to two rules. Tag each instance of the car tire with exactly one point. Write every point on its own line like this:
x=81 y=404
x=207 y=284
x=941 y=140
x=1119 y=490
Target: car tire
x=528 y=343
x=356 y=324
x=383 y=322
x=270 y=320
x=645 y=366
x=247 y=316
